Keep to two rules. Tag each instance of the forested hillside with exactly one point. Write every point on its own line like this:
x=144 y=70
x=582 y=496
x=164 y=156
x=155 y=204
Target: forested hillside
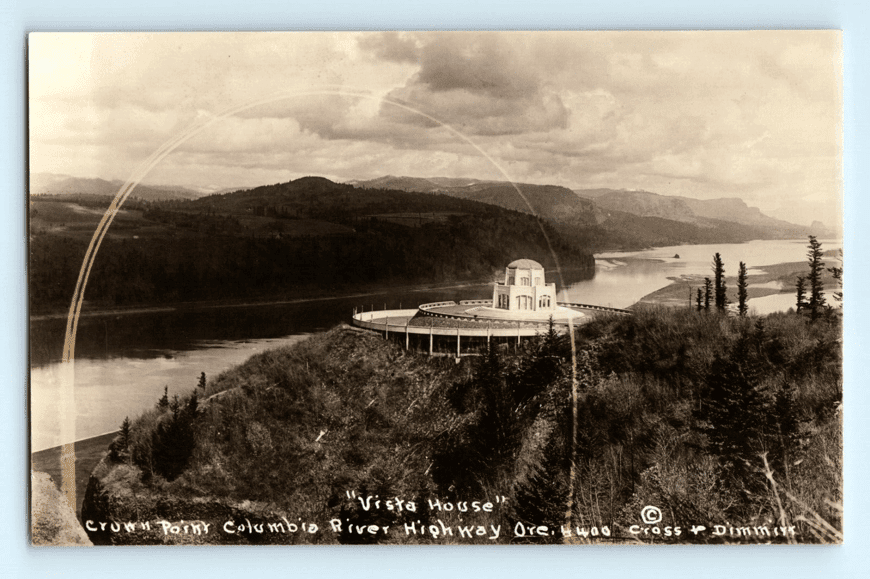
x=307 y=237
x=311 y=236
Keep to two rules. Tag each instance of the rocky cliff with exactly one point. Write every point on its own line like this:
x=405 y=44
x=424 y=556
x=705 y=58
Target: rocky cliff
x=53 y=522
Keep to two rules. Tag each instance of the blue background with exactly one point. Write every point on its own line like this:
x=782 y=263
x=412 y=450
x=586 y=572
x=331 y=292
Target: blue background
x=17 y=559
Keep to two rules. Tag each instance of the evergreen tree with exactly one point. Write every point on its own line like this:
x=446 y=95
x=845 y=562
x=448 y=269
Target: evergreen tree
x=719 y=284
x=124 y=437
x=120 y=445
x=174 y=438
x=541 y=498
x=817 y=266
x=192 y=405
x=837 y=272
x=708 y=293
x=471 y=455
x=543 y=366
x=172 y=444
x=202 y=381
x=175 y=405
x=800 y=285
x=736 y=409
x=789 y=422
x=163 y=403
x=496 y=428
x=699 y=300
x=742 y=295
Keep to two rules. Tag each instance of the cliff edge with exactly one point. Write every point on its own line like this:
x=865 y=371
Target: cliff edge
x=53 y=522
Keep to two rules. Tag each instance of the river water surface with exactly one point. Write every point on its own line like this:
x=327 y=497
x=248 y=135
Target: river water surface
x=123 y=362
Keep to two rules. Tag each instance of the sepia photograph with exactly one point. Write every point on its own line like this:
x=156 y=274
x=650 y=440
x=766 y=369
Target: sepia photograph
x=435 y=288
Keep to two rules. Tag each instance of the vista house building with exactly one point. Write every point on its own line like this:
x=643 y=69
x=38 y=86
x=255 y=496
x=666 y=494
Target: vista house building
x=524 y=289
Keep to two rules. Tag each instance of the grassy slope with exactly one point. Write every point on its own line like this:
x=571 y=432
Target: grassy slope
x=293 y=429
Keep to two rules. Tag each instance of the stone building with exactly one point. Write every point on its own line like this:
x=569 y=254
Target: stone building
x=524 y=288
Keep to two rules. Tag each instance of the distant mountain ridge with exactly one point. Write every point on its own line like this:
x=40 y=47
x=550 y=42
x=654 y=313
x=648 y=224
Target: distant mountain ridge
x=599 y=219
x=56 y=184
x=550 y=201
x=415 y=184
x=689 y=210
x=641 y=216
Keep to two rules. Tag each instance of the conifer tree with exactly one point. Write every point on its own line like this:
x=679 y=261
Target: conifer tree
x=742 y=294
x=719 y=283
x=837 y=272
x=124 y=437
x=736 y=408
x=175 y=405
x=163 y=403
x=708 y=293
x=542 y=367
x=800 y=285
x=202 y=380
x=817 y=266
x=172 y=444
x=476 y=452
x=542 y=496
x=192 y=405
x=699 y=300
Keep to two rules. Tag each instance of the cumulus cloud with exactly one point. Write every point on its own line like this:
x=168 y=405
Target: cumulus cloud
x=391 y=46
x=703 y=114
x=485 y=84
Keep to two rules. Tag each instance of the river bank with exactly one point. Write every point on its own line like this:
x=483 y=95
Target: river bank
x=212 y=304
x=774 y=282
x=298 y=297
x=774 y=279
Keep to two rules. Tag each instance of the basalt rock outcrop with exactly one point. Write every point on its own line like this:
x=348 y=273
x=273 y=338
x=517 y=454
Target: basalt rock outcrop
x=53 y=521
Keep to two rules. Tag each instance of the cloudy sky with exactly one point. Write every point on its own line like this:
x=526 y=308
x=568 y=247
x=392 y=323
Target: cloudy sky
x=756 y=115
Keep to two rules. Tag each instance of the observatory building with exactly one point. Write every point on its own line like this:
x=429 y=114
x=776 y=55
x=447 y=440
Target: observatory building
x=524 y=289
x=522 y=306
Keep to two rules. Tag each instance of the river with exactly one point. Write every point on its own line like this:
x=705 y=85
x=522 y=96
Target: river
x=123 y=362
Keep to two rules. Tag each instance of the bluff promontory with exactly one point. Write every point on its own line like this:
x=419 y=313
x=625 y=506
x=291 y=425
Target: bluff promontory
x=348 y=438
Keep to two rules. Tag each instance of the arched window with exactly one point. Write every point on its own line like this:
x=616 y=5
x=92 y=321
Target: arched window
x=524 y=281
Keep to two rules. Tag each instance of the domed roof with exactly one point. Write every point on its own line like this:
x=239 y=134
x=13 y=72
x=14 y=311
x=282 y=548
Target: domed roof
x=525 y=264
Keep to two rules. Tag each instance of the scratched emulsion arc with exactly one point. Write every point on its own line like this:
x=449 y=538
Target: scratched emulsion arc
x=68 y=377
x=67 y=369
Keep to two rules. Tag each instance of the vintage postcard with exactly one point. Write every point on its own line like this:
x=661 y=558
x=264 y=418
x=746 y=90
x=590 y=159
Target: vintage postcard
x=450 y=288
